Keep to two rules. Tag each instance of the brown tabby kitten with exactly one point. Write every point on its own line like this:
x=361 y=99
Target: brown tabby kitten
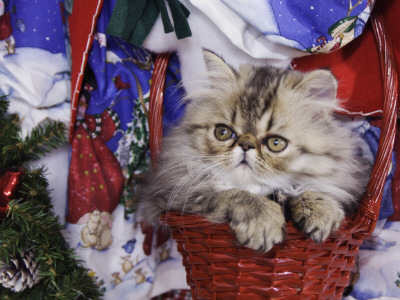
x=260 y=142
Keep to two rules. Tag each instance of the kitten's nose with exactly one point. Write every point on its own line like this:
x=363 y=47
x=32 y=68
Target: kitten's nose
x=247 y=142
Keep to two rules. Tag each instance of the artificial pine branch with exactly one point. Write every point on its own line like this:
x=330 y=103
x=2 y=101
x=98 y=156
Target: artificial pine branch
x=41 y=140
x=30 y=224
x=17 y=151
x=4 y=104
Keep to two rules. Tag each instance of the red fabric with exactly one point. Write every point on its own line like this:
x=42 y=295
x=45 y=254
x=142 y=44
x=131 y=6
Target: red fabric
x=356 y=66
x=162 y=235
x=148 y=231
x=5 y=26
x=95 y=180
x=391 y=9
x=82 y=23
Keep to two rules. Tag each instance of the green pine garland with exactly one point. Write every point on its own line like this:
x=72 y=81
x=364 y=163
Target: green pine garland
x=16 y=151
x=30 y=223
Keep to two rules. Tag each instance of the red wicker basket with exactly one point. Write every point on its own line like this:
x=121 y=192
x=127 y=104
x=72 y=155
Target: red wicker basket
x=297 y=268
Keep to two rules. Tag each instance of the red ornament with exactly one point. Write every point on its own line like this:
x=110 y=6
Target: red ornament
x=9 y=181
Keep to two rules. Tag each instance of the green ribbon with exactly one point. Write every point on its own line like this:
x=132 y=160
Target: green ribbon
x=132 y=20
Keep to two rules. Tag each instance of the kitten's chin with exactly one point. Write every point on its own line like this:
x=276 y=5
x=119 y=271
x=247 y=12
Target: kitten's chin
x=243 y=177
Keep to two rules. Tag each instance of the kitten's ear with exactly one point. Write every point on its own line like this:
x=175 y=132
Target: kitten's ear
x=320 y=85
x=219 y=71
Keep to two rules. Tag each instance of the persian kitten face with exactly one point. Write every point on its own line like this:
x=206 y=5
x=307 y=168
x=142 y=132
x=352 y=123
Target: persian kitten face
x=267 y=129
x=257 y=142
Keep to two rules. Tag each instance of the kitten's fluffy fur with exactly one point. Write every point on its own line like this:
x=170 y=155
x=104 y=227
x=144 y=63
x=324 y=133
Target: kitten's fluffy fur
x=259 y=143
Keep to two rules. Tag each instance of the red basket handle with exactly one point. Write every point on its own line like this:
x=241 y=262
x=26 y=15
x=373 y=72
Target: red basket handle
x=155 y=105
x=368 y=212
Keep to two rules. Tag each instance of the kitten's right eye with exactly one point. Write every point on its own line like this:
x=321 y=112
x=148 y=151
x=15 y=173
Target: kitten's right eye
x=223 y=132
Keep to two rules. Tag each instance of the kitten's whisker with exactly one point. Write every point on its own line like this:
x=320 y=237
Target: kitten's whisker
x=185 y=163
x=167 y=170
x=191 y=190
x=181 y=182
x=178 y=188
x=190 y=176
x=199 y=184
x=213 y=157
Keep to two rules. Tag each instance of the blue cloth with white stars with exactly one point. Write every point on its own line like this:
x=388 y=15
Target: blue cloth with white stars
x=308 y=25
x=38 y=24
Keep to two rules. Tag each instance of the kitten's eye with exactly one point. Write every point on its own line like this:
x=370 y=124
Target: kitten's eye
x=223 y=132
x=276 y=143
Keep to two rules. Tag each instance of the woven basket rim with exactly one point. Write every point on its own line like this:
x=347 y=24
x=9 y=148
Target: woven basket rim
x=186 y=220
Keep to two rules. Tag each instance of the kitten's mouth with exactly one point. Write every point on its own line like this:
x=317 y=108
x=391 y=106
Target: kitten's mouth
x=244 y=164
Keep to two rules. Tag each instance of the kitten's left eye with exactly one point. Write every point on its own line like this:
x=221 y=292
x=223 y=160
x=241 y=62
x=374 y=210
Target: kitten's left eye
x=223 y=132
x=276 y=143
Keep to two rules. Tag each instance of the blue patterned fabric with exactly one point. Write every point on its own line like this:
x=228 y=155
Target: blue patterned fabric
x=38 y=24
x=313 y=26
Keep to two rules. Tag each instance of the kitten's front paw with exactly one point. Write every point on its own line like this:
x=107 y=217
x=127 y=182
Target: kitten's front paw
x=316 y=214
x=259 y=229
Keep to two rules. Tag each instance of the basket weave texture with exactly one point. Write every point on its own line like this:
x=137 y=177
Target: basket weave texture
x=217 y=269
x=298 y=268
